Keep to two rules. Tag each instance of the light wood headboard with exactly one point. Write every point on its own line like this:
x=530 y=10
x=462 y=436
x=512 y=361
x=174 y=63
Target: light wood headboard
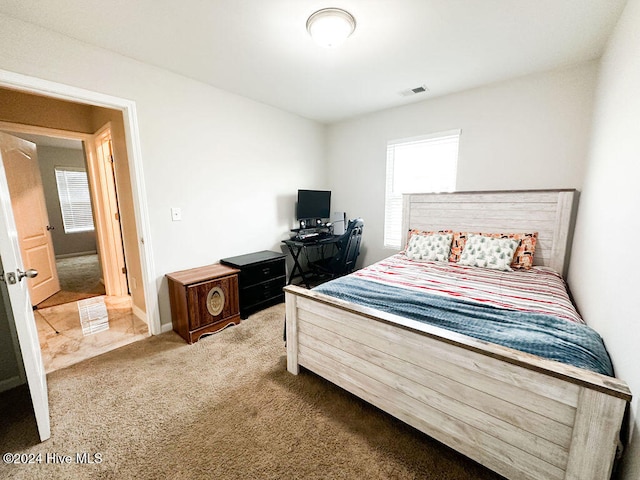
x=551 y=213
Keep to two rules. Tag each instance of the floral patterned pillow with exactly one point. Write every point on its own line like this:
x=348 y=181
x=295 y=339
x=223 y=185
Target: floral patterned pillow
x=415 y=231
x=523 y=257
x=432 y=247
x=488 y=252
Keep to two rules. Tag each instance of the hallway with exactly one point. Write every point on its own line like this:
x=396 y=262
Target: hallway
x=80 y=277
x=61 y=335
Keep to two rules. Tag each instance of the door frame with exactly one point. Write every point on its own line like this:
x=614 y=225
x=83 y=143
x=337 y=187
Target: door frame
x=60 y=91
x=108 y=235
x=105 y=199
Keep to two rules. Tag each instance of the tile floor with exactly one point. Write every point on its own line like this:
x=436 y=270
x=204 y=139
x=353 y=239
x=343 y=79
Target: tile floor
x=70 y=346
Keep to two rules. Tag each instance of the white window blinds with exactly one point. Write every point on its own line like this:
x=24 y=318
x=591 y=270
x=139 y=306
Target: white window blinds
x=75 y=202
x=417 y=165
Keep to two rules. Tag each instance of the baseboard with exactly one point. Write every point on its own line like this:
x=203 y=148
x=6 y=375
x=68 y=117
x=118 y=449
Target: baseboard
x=139 y=313
x=10 y=383
x=166 y=327
x=77 y=254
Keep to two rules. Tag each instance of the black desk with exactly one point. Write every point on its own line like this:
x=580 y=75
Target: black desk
x=322 y=248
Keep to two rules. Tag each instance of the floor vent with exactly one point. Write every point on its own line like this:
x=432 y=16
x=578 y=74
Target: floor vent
x=93 y=315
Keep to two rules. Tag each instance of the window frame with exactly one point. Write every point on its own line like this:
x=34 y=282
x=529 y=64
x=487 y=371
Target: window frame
x=392 y=228
x=72 y=222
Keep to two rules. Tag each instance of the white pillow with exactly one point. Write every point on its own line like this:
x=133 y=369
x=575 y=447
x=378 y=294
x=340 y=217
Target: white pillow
x=487 y=252
x=429 y=248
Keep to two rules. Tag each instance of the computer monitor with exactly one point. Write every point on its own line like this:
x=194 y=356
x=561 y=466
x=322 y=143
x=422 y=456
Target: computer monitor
x=313 y=204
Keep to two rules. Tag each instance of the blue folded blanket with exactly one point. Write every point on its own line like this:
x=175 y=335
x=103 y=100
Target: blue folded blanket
x=539 y=334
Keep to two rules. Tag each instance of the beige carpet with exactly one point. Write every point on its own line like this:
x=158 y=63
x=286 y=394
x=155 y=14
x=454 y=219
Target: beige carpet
x=80 y=278
x=223 y=408
x=80 y=274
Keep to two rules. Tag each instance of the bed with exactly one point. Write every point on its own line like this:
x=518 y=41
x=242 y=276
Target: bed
x=518 y=413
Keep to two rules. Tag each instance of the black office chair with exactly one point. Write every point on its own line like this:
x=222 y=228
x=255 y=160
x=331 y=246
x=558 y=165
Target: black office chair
x=344 y=261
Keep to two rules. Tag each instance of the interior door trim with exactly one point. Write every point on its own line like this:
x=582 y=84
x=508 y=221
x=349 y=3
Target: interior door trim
x=60 y=91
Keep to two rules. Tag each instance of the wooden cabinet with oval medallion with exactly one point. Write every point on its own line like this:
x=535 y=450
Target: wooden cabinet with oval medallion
x=203 y=300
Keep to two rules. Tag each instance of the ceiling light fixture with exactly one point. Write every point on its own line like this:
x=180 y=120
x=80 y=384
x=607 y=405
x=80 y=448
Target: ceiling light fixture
x=330 y=27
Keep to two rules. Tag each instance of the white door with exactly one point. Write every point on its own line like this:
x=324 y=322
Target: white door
x=14 y=276
x=20 y=161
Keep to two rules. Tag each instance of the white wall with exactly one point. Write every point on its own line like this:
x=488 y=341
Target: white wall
x=604 y=273
x=527 y=133
x=231 y=164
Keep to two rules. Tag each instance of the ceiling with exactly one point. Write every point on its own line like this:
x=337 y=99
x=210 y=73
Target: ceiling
x=260 y=48
x=48 y=141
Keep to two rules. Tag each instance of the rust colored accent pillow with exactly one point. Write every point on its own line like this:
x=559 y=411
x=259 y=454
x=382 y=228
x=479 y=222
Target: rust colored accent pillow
x=523 y=257
x=457 y=245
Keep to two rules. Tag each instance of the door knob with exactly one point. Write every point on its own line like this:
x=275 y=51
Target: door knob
x=31 y=273
x=49 y=228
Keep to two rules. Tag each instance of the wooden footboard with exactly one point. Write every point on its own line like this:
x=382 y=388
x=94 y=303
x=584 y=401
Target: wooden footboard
x=519 y=415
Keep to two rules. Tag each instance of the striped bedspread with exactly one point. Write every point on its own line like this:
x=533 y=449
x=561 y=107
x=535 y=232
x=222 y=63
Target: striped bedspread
x=480 y=303
x=539 y=289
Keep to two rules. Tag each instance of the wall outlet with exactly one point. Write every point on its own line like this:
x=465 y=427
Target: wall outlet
x=176 y=214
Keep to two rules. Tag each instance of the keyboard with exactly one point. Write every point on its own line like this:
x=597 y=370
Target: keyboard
x=307 y=236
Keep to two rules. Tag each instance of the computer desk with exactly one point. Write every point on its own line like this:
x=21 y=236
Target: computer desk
x=321 y=251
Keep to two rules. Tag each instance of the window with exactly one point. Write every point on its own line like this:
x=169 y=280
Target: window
x=75 y=202
x=423 y=164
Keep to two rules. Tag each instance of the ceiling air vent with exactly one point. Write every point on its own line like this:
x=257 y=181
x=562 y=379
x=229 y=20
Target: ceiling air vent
x=414 y=91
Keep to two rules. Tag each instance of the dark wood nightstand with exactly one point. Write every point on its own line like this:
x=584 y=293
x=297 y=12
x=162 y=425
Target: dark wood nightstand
x=203 y=300
x=262 y=278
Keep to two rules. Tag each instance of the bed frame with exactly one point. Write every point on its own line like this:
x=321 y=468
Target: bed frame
x=520 y=415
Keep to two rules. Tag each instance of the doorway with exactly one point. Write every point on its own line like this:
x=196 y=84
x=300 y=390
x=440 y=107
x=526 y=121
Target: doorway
x=33 y=105
x=77 y=221
x=70 y=220
x=38 y=89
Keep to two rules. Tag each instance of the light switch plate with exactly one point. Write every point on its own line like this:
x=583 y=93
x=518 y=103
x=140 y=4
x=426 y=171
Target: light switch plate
x=176 y=214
